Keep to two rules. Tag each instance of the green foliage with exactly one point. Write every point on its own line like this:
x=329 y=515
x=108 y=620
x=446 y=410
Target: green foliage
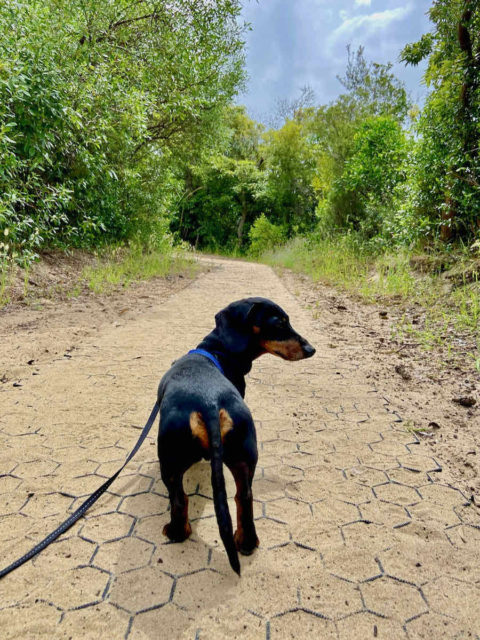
x=31 y=122
x=342 y=165
x=251 y=173
x=108 y=269
x=361 y=152
x=265 y=236
x=290 y=168
x=122 y=266
x=347 y=262
x=207 y=214
x=448 y=162
x=116 y=125
x=101 y=101
x=373 y=88
x=415 y=52
x=341 y=260
x=331 y=130
x=376 y=167
x=225 y=190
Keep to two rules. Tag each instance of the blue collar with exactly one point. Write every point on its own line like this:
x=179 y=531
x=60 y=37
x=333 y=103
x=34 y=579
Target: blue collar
x=211 y=357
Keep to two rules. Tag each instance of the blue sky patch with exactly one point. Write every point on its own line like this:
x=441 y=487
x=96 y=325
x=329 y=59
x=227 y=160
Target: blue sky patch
x=294 y=43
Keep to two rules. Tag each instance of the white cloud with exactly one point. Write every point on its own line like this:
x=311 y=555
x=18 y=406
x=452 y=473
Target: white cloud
x=302 y=42
x=363 y=3
x=367 y=24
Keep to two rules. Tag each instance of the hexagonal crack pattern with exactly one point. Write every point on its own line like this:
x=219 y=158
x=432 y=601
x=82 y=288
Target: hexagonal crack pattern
x=359 y=536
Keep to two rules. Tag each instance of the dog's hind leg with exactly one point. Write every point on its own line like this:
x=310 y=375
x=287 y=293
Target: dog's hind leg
x=245 y=536
x=178 y=529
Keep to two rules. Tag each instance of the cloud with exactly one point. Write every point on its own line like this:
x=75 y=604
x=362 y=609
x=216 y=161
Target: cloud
x=302 y=42
x=367 y=24
x=363 y=3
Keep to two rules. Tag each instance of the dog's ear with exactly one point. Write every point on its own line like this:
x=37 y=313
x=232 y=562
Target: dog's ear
x=237 y=314
x=234 y=324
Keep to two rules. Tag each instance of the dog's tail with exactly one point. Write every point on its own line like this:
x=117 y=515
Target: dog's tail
x=224 y=520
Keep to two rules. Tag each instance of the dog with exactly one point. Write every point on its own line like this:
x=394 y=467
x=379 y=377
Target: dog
x=203 y=415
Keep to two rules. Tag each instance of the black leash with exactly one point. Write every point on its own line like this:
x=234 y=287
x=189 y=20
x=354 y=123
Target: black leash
x=85 y=505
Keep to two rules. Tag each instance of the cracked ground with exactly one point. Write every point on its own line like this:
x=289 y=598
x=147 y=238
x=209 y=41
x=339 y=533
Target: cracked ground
x=359 y=535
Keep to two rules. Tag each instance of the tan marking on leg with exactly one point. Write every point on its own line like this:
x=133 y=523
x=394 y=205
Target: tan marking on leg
x=288 y=349
x=198 y=428
x=226 y=423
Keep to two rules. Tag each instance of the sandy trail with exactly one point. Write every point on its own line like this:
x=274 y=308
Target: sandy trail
x=359 y=537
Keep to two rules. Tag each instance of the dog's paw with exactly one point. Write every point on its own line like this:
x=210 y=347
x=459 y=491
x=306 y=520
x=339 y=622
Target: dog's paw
x=245 y=545
x=176 y=533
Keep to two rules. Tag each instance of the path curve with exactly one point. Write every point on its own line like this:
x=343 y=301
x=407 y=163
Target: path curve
x=359 y=537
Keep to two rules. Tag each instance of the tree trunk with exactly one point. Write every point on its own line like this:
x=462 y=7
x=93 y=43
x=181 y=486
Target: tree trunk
x=448 y=215
x=241 y=224
x=466 y=116
x=470 y=81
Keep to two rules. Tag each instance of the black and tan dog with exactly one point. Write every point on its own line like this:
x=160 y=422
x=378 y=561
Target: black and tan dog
x=203 y=415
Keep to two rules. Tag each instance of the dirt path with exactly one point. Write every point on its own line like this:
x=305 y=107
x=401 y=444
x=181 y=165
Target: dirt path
x=360 y=538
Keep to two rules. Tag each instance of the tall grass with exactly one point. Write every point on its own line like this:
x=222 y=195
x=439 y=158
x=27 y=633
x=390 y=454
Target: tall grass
x=6 y=279
x=344 y=262
x=120 y=266
x=449 y=307
x=109 y=269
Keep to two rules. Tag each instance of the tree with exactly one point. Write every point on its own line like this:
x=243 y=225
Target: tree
x=374 y=90
x=101 y=102
x=286 y=109
x=289 y=165
x=244 y=164
x=448 y=160
x=265 y=236
x=227 y=187
x=374 y=97
x=376 y=167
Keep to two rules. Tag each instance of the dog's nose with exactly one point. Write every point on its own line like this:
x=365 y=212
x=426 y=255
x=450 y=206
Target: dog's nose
x=308 y=350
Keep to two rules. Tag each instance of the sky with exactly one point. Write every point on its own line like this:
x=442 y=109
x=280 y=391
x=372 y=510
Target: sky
x=297 y=43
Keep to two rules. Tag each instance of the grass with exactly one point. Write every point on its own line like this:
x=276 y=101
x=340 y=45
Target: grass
x=118 y=266
x=104 y=272
x=449 y=308
x=475 y=356
x=6 y=280
x=346 y=264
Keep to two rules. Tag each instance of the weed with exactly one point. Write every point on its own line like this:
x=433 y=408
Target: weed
x=75 y=291
x=115 y=266
x=447 y=303
x=119 y=266
x=26 y=275
x=6 y=278
x=475 y=356
x=409 y=426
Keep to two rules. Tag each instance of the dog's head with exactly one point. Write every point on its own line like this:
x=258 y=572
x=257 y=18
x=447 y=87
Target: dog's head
x=262 y=323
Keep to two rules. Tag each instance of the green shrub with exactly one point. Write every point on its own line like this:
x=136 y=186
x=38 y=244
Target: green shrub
x=264 y=236
x=365 y=196
x=100 y=102
x=448 y=162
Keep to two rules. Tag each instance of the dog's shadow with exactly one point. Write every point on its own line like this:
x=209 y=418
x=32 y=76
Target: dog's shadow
x=201 y=513
x=171 y=580
x=152 y=511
